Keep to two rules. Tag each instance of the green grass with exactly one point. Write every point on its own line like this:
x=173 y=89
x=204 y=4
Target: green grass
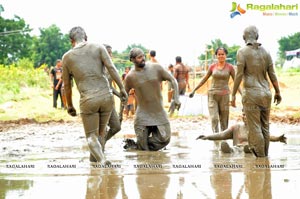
x=26 y=93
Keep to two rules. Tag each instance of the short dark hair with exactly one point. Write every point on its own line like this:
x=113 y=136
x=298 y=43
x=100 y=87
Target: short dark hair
x=152 y=53
x=178 y=59
x=221 y=48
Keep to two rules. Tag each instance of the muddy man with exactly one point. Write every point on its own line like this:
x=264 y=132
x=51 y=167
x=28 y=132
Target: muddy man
x=85 y=62
x=254 y=63
x=151 y=124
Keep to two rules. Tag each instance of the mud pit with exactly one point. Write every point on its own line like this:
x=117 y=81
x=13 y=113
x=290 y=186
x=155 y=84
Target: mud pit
x=57 y=161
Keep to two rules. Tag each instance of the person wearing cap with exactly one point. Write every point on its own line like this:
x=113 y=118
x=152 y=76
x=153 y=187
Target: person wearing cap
x=85 y=62
x=254 y=63
x=151 y=124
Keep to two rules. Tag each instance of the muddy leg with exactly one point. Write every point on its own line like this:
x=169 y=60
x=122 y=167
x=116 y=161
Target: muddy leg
x=142 y=135
x=95 y=147
x=114 y=125
x=161 y=136
x=224 y=112
x=255 y=137
x=265 y=113
x=225 y=148
x=213 y=113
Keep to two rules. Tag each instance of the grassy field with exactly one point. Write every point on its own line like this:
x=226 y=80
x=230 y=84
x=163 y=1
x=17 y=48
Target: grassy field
x=35 y=102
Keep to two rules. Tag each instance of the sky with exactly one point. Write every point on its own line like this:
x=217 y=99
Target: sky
x=171 y=27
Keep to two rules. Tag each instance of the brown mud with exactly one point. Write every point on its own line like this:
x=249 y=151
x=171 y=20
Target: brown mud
x=187 y=168
x=277 y=116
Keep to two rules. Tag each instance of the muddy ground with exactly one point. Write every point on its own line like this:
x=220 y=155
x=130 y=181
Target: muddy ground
x=185 y=169
x=279 y=116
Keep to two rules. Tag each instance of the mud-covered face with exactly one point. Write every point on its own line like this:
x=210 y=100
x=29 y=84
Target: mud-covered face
x=139 y=60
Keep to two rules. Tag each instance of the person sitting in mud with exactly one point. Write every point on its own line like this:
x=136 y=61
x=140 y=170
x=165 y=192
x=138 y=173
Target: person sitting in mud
x=151 y=124
x=239 y=134
x=85 y=62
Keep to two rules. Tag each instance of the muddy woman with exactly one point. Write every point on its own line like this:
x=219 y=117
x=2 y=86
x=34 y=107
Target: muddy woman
x=218 y=93
x=254 y=63
x=85 y=62
x=151 y=124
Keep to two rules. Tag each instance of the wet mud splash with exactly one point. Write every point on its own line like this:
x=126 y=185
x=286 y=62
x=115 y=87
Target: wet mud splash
x=36 y=159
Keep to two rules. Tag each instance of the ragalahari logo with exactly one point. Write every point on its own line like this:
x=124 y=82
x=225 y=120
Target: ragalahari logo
x=236 y=10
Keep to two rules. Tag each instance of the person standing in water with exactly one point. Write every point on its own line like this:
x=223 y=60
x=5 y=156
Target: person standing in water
x=254 y=63
x=218 y=93
x=86 y=62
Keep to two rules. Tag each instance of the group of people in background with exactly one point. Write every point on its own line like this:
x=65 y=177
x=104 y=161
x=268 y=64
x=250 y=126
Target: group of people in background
x=140 y=93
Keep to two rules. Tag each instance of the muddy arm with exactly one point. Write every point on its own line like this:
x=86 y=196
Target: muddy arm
x=281 y=138
x=203 y=80
x=224 y=135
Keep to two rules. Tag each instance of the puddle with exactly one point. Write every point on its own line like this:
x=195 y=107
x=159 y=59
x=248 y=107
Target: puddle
x=53 y=162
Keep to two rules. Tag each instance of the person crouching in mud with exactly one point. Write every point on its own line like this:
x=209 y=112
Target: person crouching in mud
x=239 y=134
x=151 y=124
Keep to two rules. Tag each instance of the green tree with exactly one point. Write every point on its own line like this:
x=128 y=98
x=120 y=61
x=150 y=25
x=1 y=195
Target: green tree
x=291 y=42
x=232 y=50
x=50 y=46
x=15 y=40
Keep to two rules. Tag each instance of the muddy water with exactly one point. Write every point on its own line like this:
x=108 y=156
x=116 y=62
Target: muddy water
x=57 y=161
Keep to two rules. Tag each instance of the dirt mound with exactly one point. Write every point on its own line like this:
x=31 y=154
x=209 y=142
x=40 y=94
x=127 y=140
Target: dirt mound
x=285 y=119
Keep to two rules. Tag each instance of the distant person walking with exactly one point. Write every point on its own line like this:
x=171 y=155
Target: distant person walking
x=56 y=83
x=181 y=74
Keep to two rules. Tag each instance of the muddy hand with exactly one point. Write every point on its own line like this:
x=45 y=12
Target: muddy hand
x=282 y=138
x=72 y=111
x=191 y=94
x=124 y=97
x=277 y=99
x=202 y=137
